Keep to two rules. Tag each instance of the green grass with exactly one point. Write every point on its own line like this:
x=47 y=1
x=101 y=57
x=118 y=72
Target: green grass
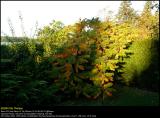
x=124 y=96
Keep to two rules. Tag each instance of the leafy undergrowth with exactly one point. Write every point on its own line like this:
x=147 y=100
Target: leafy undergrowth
x=125 y=96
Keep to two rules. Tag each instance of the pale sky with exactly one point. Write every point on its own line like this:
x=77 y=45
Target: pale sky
x=44 y=12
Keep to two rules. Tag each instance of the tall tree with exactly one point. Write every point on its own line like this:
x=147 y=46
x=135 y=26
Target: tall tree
x=126 y=12
x=147 y=9
x=146 y=18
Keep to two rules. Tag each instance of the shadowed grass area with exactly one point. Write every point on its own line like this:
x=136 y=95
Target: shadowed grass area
x=125 y=96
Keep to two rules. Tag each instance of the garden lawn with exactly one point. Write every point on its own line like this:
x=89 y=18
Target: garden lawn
x=124 y=96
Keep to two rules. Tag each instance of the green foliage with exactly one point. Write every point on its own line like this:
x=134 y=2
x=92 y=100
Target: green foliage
x=147 y=20
x=6 y=65
x=126 y=13
x=6 y=52
x=139 y=61
x=12 y=39
x=52 y=36
x=21 y=90
x=141 y=68
x=91 y=91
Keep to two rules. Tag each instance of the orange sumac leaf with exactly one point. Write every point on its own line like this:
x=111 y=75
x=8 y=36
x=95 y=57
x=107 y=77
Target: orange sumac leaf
x=109 y=93
x=62 y=55
x=56 y=80
x=81 y=67
x=55 y=64
x=76 y=68
x=68 y=70
x=74 y=51
x=81 y=76
x=83 y=46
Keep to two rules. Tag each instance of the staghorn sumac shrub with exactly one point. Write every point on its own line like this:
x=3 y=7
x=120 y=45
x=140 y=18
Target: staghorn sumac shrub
x=86 y=62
